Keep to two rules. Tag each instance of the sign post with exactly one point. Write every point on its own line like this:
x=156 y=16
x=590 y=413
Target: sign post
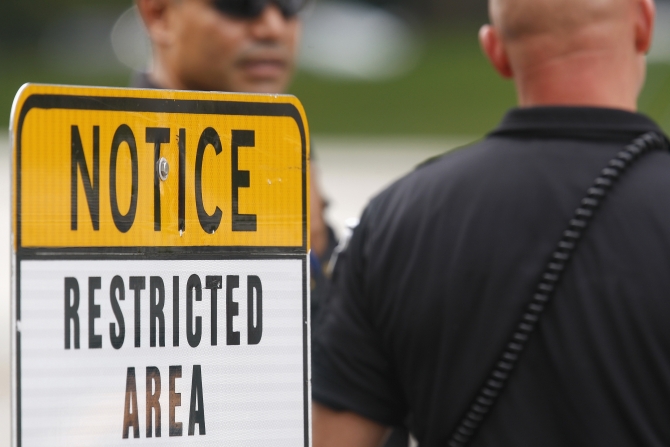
x=160 y=276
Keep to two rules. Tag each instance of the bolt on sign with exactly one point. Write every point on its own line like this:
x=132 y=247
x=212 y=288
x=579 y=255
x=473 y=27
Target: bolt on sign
x=160 y=244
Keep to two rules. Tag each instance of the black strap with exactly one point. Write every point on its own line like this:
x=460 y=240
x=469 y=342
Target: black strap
x=497 y=379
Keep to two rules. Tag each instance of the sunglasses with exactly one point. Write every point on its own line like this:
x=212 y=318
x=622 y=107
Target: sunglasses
x=249 y=9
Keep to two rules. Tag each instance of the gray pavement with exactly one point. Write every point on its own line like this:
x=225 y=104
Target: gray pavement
x=352 y=170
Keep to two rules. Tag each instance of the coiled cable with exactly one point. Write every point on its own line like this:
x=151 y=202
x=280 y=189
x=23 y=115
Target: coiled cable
x=497 y=379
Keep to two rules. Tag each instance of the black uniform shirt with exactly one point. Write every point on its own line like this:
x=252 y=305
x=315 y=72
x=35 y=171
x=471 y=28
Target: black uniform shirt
x=443 y=262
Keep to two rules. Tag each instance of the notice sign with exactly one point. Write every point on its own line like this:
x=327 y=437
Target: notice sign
x=160 y=288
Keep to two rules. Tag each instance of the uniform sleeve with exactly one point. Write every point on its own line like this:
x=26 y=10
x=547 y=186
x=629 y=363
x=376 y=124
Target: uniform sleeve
x=350 y=370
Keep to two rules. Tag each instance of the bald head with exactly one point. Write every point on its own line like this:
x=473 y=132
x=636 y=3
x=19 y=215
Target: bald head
x=523 y=18
x=571 y=52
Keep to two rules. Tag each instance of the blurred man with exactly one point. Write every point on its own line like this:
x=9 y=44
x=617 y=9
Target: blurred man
x=449 y=289
x=232 y=46
x=222 y=45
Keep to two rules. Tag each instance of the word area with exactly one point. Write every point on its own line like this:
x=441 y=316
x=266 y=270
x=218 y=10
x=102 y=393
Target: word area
x=131 y=420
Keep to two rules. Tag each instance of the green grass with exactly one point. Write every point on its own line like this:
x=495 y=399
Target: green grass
x=452 y=91
x=655 y=98
x=17 y=69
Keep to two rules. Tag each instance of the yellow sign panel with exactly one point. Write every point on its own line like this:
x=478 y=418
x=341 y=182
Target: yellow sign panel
x=98 y=167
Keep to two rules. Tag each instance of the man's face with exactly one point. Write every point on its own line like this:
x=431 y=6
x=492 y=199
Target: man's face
x=210 y=50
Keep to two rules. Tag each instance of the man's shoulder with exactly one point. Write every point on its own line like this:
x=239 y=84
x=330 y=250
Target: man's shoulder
x=510 y=169
x=429 y=185
x=455 y=165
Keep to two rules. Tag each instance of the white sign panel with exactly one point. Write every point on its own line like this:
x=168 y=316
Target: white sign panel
x=138 y=349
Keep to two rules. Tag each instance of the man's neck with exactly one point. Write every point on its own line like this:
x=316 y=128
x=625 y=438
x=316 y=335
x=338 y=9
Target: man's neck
x=161 y=77
x=595 y=78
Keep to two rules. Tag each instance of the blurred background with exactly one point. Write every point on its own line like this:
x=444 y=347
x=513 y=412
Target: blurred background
x=385 y=83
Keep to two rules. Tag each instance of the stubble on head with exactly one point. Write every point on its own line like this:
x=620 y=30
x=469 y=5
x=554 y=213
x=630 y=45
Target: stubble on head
x=571 y=52
x=516 y=19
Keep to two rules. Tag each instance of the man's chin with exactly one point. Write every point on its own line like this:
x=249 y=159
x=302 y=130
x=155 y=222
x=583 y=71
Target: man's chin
x=262 y=86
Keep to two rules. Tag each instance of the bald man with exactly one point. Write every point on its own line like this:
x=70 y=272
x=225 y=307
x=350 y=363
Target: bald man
x=476 y=303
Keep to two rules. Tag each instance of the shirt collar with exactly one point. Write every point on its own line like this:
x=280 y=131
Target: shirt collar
x=142 y=80
x=575 y=122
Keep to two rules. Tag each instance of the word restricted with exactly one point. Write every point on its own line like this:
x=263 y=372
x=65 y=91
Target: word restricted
x=156 y=318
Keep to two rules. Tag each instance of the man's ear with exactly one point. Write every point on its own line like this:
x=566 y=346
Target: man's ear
x=494 y=49
x=155 y=16
x=644 y=25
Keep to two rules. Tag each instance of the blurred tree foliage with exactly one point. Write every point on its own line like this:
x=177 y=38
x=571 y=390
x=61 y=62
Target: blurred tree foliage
x=23 y=21
x=439 y=12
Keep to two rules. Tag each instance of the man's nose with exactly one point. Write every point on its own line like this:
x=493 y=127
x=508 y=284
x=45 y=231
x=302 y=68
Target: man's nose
x=270 y=24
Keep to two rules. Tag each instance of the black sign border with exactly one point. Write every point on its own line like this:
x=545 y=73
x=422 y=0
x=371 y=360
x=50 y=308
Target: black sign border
x=181 y=106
